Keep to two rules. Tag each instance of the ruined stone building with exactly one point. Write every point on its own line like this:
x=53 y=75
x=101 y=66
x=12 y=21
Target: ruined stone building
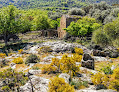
x=65 y=22
x=49 y=33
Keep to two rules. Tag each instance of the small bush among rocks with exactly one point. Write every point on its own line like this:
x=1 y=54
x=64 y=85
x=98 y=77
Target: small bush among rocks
x=49 y=69
x=11 y=80
x=45 y=49
x=32 y=59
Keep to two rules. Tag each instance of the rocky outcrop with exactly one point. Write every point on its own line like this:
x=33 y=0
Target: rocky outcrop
x=99 y=53
x=91 y=90
x=61 y=46
x=111 y=54
x=37 y=84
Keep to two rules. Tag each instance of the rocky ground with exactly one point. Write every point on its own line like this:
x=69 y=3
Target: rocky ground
x=40 y=81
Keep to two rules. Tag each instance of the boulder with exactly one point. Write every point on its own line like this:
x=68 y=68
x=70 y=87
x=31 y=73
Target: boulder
x=95 y=47
x=65 y=76
x=34 y=72
x=87 y=57
x=98 y=53
x=88 y=64
x=87 y=61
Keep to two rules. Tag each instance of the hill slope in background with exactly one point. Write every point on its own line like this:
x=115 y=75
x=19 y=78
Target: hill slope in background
x=25 y=4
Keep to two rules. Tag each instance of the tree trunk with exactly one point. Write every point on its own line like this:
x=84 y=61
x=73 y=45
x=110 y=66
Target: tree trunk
x=5 y=39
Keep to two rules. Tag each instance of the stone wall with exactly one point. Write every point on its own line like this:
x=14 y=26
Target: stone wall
x=49 y=33
x=61 y=32
x=64 y=23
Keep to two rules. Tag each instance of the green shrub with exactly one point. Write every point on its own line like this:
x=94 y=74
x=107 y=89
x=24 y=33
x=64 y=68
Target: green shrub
x=99 y=37
x=107 y=70
x=3 y=63
x=32 y=59
x=78 y=84
x=115 y=12
x=35 y=68
x=76 y=11
x=5 y=88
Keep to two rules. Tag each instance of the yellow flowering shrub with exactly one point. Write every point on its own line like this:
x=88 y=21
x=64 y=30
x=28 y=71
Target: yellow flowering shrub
x=78 y=51
x=49 y=69
x=100 y=79
x=2 y=55
x=68 y=65
x=77 y=57
x=45 y=49
x=56 y=62
x=118 y=49
x=20 y=51
x=114 y=80
x=18 y=60
x=57 y=84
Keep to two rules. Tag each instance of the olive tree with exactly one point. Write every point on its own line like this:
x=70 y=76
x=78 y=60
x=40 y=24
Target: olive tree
x=9 y=22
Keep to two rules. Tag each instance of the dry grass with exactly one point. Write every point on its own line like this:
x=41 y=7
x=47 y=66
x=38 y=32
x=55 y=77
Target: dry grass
x=39 y=65
x=20 y=67
x=4 y=68
x=100 y=65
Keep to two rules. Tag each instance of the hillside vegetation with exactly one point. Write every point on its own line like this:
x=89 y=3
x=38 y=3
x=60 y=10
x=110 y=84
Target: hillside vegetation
x=25 y=4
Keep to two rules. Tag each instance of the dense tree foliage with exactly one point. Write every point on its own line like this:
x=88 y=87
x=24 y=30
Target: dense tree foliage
x=82 y=27
x=13 y=21
x=10 y=22
x=102 y=12
x=108 y=35
x=25 y=4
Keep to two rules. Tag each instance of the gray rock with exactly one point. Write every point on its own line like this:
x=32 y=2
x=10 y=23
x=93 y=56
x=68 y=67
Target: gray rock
x=33 y=50
x=87 y=57
x=1 y=83
x=97 y=58
x=114 y=55
x=39 y=85
x=113 y=67
x=65 y=76
x=33 y=72
x=88 y=64
x=89 y=90
x=110 y=61
x=61 y=46
x=13 y=65
x=98 y=53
